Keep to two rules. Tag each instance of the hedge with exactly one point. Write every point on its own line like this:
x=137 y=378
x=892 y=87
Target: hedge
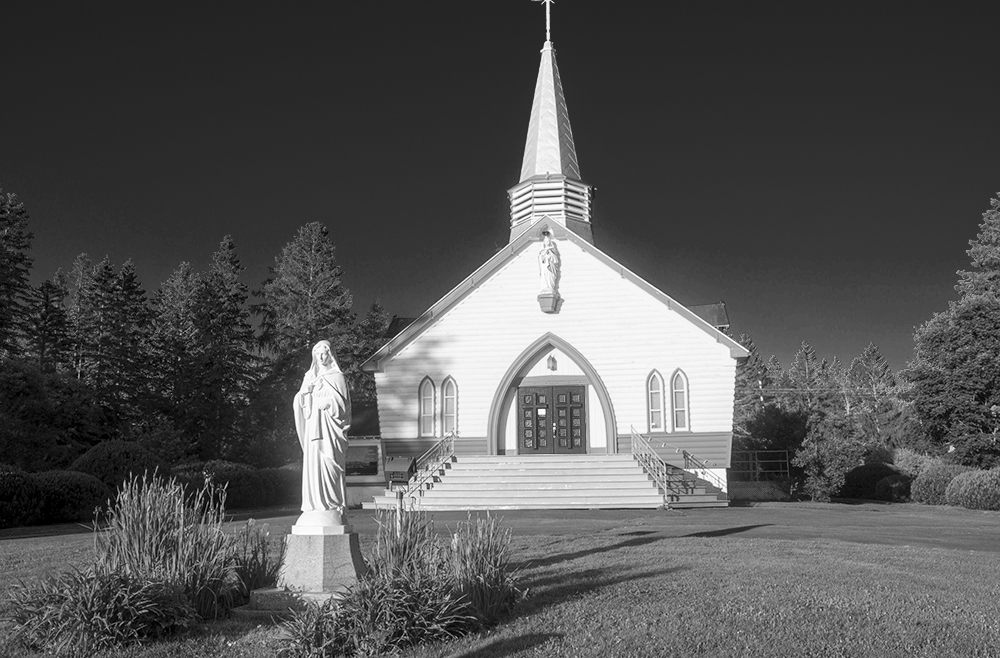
x=113 y=462
x=69 y=496
x=894 y=488
x=20 y=499
x=931 y=485
x=860 y=482
x=975 y=490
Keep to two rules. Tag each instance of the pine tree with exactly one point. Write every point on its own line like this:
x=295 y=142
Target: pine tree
x=984 y=252
x=15 y=269
x=304 y=300
x=954 y=376
x=109 y=327
x=366 y=338
x=752 y=377
x=48 y=324
x=226 y=362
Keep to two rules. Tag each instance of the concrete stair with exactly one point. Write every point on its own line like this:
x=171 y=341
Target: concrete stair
x=552 y=482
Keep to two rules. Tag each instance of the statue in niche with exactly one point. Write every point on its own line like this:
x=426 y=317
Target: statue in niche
x=322 y=416
x=548 y=265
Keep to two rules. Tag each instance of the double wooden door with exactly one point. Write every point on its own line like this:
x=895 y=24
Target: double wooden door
x=552 y=419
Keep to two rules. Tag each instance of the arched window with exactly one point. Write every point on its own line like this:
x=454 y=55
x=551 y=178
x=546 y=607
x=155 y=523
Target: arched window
x=679 y=399
x=426 y=412
x=654 y=401
x=449 y=406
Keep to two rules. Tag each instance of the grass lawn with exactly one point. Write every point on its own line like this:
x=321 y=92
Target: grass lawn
x=800 y=580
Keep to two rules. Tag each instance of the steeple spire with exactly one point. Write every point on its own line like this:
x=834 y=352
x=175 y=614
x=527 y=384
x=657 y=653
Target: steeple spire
x=550 y=183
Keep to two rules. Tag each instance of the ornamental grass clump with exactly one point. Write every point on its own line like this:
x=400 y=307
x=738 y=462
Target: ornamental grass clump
x=480 y=562
x=417 y=589
x=256 y=566
x=82 y=612
x=154 y=532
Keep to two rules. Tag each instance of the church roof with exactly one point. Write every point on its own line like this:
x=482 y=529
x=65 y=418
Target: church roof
x=502 y=257
x=549 y=147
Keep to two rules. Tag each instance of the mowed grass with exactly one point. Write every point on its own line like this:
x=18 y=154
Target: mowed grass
x=644 y=591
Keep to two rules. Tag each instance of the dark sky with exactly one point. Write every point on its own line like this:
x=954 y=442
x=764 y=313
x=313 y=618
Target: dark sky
x=821 y=167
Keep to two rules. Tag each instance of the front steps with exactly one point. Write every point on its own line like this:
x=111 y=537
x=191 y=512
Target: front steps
x=552 y=482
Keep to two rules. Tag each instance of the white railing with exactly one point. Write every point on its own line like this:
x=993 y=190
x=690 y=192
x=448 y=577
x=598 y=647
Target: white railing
x=430 y=463
x=661 y=472
x=702 y=469
x=692 y=463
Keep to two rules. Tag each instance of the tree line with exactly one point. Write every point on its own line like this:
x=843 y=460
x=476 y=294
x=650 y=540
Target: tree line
x=832 y=416
x=203 y=368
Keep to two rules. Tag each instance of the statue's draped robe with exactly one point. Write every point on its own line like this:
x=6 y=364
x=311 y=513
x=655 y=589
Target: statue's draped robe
x=323 y=436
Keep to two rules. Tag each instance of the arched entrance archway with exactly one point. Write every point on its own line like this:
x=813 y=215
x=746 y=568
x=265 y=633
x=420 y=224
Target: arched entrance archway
x=506 y=392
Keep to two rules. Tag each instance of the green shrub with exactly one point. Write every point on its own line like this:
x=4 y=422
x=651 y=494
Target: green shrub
x=20 y=500
x=416 y=590
x=930 y=486
x=894 y=488
x=83 y=612
x=257 y=565
x=975 y=490
x=115 y=462
x=153 y=531
x=283 y=485
x=912 y=463
x=244 y=488
x=69 y=496
x=859 y=482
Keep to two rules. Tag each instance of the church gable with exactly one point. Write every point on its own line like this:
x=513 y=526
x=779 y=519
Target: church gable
x=588 y=280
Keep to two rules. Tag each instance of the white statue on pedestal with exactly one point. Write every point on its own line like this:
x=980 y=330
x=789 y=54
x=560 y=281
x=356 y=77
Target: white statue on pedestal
x=322 y=417
x=549 y=265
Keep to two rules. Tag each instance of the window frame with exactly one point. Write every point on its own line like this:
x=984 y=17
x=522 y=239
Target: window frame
x=449 y=382
x=655 y=378
x=426 y=385
x=685 y=398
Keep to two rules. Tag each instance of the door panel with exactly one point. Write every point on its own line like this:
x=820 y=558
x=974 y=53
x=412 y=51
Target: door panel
x=552 y=420
x=571 y=419
x=534 y=433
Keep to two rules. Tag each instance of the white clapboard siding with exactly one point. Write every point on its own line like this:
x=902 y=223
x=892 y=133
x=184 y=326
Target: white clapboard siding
x=622 y=330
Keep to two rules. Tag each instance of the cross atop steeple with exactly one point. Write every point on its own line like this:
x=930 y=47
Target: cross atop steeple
x=548 y=18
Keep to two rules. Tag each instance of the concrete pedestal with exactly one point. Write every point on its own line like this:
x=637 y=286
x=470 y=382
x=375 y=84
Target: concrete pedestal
x=549 y=302
x=317 y=567
x=321 y=562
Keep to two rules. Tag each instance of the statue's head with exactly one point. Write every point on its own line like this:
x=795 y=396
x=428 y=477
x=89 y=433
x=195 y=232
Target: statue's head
x=322 y=355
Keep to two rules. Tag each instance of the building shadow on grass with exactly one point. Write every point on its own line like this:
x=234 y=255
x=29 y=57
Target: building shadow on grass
x=726 y=531
x=505 y=646
x=638 y=538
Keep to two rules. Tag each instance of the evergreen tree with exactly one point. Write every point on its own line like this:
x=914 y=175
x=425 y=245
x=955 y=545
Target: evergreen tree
x=304 y=300
x=954 y=376
x=752 y=376
x=176 y=343
x=984 y=252
x=226 y=361
x=365 y=339
x=807 y=380
x=109 y=328
x=15 y=268
x=48 y=325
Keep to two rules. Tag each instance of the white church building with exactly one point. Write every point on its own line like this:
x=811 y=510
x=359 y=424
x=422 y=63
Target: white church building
x=553 y=376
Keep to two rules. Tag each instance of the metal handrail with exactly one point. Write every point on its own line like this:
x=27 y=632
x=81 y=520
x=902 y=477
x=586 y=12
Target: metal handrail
x=430 y=462
x=654 y=466
x=693 y=464
x=702 y=469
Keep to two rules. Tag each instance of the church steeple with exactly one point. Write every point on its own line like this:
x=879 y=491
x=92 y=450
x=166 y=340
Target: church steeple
x=550 y=183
